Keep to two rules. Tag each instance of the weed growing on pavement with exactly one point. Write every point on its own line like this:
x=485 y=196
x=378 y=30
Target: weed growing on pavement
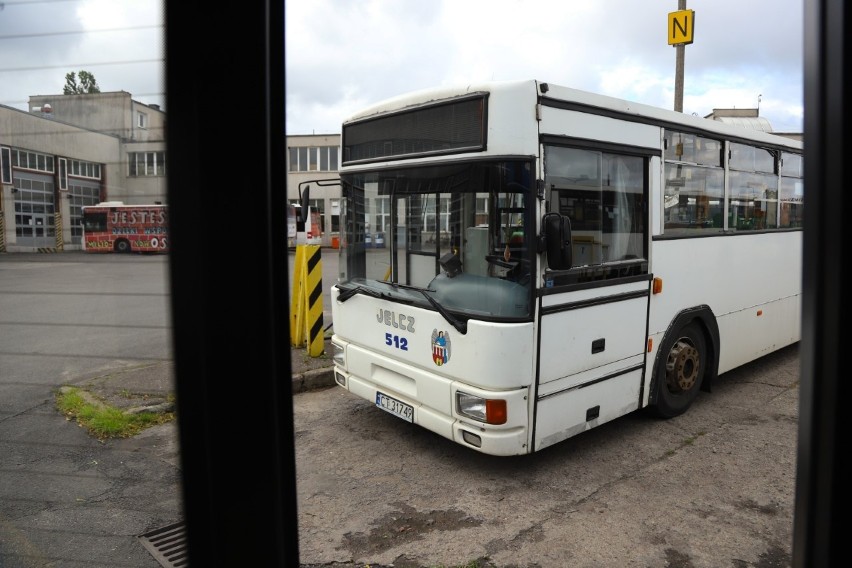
x=102 y=421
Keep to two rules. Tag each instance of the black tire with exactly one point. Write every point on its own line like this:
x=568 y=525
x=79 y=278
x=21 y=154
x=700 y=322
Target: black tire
x=680 y=371
x=122 y=246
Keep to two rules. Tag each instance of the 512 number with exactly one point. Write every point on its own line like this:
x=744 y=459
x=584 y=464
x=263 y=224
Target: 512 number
x=396 y=341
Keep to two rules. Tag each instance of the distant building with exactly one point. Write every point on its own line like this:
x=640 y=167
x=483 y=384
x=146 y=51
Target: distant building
x=313 y=160
x=748 y=118
x=74 y=150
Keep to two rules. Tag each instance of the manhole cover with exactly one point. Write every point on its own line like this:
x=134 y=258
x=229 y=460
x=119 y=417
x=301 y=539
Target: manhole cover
x=167 y=545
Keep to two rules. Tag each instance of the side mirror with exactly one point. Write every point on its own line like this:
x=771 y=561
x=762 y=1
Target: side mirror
x=305 y=199
x=557 y=241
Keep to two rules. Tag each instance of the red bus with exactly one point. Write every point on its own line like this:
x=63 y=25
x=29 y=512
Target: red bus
x=112 y=226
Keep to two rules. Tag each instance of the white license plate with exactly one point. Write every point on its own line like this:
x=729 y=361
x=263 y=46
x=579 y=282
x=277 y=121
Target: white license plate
x=395 y=407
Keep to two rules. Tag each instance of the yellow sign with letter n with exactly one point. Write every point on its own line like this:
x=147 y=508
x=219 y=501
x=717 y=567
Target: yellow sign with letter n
x=681 y=27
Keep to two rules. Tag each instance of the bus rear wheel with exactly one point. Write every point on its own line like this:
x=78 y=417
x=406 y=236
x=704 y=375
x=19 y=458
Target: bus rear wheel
x=680 y=371
x=122 y=246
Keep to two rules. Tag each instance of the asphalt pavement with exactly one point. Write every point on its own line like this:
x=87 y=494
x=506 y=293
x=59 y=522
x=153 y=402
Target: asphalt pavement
x=734 y=452
x=151 y=386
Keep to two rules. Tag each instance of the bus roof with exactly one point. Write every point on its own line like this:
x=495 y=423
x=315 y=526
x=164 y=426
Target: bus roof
x=123 y=204
x=578 y=99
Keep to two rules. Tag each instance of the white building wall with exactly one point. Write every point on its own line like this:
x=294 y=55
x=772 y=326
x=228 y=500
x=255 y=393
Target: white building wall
x=34 y=133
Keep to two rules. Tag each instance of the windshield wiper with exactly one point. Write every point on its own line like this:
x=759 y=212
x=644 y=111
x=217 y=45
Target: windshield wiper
x=349 y=292
x=461 y=326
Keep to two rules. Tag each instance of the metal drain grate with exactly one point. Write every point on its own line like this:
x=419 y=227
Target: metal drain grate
x=167 y=545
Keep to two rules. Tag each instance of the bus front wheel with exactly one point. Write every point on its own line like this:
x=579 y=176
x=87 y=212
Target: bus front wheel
x=122 y=246
x=680 y=371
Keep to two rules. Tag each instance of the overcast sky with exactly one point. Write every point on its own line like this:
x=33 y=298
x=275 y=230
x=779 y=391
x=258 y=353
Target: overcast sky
x=342 y=55
x=119 y=41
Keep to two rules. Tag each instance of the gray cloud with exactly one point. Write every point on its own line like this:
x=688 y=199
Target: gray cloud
x=120 y=43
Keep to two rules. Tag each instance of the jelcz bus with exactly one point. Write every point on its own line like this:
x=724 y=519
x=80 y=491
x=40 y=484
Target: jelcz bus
x=112 y=226
x=556 y=259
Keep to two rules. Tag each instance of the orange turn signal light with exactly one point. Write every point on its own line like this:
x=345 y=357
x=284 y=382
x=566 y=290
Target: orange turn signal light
x=657 y=285
x=495 y=411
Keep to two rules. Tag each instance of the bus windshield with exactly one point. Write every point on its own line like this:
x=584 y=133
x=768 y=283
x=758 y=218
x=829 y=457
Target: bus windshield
x=459 y=233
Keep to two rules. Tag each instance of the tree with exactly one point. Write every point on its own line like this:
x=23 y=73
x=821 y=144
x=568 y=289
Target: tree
x=86 y=86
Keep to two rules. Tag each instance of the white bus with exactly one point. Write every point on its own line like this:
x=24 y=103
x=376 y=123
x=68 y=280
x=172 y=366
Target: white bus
x=555 y=259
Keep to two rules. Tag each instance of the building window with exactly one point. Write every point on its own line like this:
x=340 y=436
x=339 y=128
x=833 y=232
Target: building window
x=63 y=173
x=140 y=164
x=318 y=205
x=82 y=169
x=303 y=159
x=32 y=161
x=6 y=164
x=35 y=212
x=313 y=158
x=80 y=196
x=142 y=120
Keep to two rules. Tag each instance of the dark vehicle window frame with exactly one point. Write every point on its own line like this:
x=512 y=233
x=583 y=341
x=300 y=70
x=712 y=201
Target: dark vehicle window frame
x=229 y=297
x=822 y=494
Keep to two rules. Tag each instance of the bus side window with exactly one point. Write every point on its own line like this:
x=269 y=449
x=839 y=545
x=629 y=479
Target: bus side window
x=95 y=222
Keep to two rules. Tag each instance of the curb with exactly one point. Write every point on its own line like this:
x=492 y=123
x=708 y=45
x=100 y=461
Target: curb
x=87 y=395
x=313 y=380
x=159 y=408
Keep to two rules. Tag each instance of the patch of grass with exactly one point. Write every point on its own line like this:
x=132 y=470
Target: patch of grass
x=102 y=421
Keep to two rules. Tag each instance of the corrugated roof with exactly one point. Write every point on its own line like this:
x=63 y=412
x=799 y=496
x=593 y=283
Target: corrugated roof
x=753 y=122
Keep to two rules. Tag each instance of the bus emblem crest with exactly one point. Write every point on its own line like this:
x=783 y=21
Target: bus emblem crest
x=440 y=347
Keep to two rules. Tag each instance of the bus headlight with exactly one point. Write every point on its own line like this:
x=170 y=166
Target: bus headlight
x=488 y=410
x=338 y=355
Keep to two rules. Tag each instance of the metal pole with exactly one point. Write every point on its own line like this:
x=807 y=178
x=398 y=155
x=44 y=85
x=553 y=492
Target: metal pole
x=680 y=54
